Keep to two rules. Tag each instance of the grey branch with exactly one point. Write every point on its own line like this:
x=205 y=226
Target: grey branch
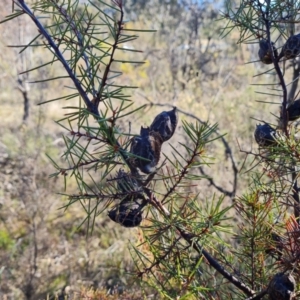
x=91 y=107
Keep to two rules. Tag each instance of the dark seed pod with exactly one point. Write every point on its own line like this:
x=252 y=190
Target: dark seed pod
x=147 y=146
x=127 y=213
x=126 y=183
x=291 y=48
x=264 y=52
x=165 y=123
x=294 y=111
x=282 y=287
x=265 y=135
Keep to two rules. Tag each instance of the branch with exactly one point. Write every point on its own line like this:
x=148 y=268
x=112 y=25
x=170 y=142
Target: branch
x=189 y=237
x=265 y=17
x=24 y=90
x=212 y=182
x=82 y=164
x=296 y=74
x=258 y=296
x=214 y=263
x=90 y=106
x=111 y=59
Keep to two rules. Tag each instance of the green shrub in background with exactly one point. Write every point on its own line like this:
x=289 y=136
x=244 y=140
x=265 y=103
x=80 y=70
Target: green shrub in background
x=6 y=242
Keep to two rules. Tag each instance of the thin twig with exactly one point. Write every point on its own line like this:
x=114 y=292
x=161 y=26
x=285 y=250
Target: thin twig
x=212 y=182
x=80 y=39
x=91 y=107
x=119 y=25
x=295 y=195
x=265 y=17
x=258 y=296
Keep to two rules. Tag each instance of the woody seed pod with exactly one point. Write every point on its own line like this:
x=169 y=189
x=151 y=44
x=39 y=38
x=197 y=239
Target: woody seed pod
x=294 y=110
x=127 y=213
x=282 y=287
x=291 y=48
x=165 y=123
x=264 y=52
x=148 y=147
x=265 y=135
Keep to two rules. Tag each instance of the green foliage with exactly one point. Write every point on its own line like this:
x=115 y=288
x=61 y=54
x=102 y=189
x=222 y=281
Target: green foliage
x=256 y=19
x=6 y=242
x=269 y=207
